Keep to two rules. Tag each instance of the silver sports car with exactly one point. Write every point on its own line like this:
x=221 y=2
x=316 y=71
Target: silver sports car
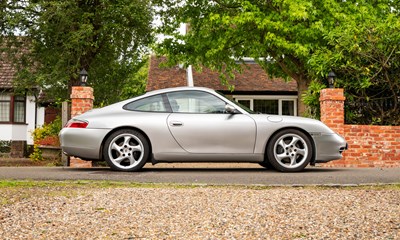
x=191 y=124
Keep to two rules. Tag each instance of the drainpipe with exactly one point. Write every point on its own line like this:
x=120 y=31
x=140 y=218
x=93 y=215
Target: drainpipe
x=36 y=113
x=189 y=74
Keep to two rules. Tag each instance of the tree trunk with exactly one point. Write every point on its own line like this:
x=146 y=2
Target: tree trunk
x=300 y=77
x=302 y=86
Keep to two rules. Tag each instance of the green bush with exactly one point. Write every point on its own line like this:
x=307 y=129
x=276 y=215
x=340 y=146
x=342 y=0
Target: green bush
x=45 y=135
x=5 y=146
x=311 y=99
x=47 y=130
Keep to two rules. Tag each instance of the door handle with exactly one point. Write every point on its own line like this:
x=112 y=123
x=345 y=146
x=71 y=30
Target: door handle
x=176 y=123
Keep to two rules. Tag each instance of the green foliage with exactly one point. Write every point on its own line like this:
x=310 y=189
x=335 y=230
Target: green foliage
x=136 y=84
x=365 y=54
x=5 y=146
x=311 y=99
x=51 y=129
x=133 y=81
x=36 y=155
x=279 y=35
x=107 y=38
x=299 y=39
x=45 y=135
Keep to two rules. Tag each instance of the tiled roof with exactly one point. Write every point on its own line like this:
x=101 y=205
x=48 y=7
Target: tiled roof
x=6 y=74
x=160 y=77
x=252 y=79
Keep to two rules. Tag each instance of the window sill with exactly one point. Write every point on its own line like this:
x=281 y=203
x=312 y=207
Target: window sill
x=12 y=123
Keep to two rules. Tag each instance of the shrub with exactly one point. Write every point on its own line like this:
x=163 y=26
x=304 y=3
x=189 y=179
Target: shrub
x=5 y=146
x=48 y=133
x=45 y=135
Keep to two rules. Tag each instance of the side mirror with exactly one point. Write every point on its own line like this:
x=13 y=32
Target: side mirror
x=230 y=109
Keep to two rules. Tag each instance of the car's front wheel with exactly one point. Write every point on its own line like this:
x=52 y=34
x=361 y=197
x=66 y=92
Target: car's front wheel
x=126 y=150
x=289 y=150
x=266 y=164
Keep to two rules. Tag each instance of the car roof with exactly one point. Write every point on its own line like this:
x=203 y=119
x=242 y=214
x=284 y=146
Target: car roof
x=165 y=90
x=161 y=91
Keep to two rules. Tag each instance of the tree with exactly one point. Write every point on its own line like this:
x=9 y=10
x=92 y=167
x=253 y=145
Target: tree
x=107 y=38
x=287 y=38
x=365 y=54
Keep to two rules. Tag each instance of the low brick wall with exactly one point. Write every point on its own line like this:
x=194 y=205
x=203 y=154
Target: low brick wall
x=372 y=146
x=18 y=149
x=369 y=146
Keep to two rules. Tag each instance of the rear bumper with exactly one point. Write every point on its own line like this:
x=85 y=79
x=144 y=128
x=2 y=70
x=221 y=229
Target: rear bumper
x=329 y=147
x=83 y=143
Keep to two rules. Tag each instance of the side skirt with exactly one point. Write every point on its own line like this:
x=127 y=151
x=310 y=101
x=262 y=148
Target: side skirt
x=186 y=157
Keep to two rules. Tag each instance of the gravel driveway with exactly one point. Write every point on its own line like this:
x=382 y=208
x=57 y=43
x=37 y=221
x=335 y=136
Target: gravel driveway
x=65 y=212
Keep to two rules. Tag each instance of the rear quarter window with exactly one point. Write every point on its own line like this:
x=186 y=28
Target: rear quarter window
x=149 y=104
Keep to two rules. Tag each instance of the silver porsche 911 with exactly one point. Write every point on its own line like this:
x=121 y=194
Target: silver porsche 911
x=191 y=124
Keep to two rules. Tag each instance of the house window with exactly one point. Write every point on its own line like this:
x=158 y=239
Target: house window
x=288 y=107
x=278 y=105
x=266 y=106
x=12 y=108
x=245 y=103
x=5 y=106
x=19 y=109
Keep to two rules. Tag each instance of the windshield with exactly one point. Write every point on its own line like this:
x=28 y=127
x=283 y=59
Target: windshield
x=248 y=110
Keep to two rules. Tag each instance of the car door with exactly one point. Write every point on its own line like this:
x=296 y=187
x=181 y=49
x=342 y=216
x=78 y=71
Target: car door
x=200 y=125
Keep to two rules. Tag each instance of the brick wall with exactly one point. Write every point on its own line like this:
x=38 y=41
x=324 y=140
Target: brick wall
x=18 y=149
x=373 y=146
x=81 y=101
x=369 y=146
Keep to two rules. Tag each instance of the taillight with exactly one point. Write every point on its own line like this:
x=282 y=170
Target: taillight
x=74 y=123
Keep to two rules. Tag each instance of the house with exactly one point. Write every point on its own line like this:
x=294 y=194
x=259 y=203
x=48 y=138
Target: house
x=19 y=114
x=253 y=88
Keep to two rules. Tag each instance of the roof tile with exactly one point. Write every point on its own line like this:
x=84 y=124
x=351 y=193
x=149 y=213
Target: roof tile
x=253 y=78
x=7 y=73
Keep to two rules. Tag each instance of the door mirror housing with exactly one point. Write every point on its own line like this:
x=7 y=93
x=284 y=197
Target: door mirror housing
x=231 y=109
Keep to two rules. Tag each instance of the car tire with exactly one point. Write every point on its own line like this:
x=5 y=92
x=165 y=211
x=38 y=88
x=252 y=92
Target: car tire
x=126 y=150
x=266 y=164
x=289 y=150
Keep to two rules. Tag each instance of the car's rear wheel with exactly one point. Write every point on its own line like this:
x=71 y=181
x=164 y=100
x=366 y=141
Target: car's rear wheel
x=126 y=150
x=289 y=150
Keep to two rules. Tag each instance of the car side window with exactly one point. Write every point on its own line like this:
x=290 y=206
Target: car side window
x=149 y=104
x=195 y=102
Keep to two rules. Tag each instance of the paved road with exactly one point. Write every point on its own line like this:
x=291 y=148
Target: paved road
x=220 y=175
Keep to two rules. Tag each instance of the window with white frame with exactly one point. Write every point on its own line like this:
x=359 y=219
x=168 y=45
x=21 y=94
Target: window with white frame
x=12 y=108
x=279 y=105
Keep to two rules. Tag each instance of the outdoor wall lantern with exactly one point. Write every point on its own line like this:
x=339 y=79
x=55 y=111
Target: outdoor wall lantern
x=83 y=77
x=331 y=79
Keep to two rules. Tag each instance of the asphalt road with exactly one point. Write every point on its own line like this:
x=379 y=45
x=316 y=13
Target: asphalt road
x=212 y=175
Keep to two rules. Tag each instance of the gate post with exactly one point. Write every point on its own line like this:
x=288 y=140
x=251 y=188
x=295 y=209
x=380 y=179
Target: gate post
x=332 y=108
x=81 y=101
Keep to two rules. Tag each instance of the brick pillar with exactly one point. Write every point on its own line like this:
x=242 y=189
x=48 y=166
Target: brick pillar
x=18 y=149
x=81 y=101
x=332 y=108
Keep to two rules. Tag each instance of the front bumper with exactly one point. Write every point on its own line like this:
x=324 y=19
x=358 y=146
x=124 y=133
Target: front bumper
x=329 y=147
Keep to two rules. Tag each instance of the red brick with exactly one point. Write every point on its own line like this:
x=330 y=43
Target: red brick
x=369 y=146
x=78 y=163
x=81 y=101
